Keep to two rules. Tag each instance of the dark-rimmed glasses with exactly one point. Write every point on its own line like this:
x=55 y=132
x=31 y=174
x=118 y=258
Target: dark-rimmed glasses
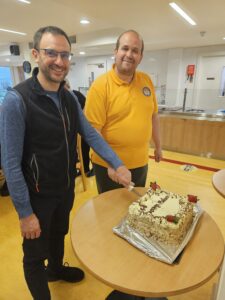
x=53 y=54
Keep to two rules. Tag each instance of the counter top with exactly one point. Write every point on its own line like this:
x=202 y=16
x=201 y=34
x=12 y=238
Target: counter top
x=193 y=133
x=193 y=114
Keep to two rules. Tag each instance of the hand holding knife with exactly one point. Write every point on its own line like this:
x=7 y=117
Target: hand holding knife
x=131 y=188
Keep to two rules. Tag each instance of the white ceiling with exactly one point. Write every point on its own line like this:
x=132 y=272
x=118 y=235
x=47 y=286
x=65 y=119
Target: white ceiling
x=155 y=20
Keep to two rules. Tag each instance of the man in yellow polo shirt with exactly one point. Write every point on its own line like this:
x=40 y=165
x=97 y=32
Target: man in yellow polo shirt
x=122 y=106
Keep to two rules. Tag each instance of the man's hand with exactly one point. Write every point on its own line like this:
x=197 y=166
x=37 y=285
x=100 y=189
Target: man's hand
x=158 y=155
x=121 y=175
x=30 y=227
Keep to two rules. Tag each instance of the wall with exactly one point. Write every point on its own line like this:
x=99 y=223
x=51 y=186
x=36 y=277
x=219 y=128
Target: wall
x=6 y=59
x=15 y=62
x=208 y=86
x=166 y=67
x=194 y=56
x=26 y=51
x=155 y=63
x=174 y=75
x=81 y=68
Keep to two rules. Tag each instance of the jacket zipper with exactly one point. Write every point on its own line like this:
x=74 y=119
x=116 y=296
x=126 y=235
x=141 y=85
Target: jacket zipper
x=35 y=175
x=66 y=139
x=68 y=120
x=64 y=127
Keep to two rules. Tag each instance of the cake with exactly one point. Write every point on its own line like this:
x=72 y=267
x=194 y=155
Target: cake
x=161 y=215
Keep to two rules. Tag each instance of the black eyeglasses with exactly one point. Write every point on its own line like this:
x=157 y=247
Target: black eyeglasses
x=53 y=54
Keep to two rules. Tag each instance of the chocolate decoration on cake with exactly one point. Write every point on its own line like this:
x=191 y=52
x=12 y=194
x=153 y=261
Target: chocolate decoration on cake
x=162 y=215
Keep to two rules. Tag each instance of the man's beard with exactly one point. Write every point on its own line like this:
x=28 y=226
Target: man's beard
x=47 y=73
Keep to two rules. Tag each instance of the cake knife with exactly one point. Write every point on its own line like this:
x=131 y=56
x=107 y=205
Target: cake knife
x=131 y=188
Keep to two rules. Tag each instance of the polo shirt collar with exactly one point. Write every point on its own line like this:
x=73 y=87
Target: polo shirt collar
x=116 y=78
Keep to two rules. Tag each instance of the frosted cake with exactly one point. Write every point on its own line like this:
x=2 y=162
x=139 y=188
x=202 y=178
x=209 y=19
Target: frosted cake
x=164 y=216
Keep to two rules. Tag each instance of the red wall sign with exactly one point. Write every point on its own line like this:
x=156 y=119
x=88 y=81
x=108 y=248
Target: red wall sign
x=190 y=70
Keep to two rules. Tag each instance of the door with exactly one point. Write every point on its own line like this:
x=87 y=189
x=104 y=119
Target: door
x=208 y=83
x=94 y=70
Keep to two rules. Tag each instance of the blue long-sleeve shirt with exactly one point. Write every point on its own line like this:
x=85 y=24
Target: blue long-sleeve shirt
x=12 y=132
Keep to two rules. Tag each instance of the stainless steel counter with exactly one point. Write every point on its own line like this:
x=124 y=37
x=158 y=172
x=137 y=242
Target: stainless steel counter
x=193 y=132
x=193 y=114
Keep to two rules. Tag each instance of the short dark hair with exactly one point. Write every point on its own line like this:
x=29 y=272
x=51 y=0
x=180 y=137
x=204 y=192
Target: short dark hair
x=133 y=31
x=48 y=29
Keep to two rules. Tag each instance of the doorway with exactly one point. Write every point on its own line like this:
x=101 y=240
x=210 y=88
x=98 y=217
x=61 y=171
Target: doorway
x=209 y=82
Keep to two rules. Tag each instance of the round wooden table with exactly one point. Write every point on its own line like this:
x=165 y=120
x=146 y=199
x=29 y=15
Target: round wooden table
x=123 y=267
x=218 y=181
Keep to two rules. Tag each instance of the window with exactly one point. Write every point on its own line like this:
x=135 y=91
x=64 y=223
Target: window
x=5 y=81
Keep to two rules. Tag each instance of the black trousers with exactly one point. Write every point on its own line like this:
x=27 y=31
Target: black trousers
x=53 y=214
x=104 y=183
x=85 y=148
x=4 y=190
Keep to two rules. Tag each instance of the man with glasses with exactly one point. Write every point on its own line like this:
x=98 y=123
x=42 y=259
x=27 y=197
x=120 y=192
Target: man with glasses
x=39 y=122
x=51 y=53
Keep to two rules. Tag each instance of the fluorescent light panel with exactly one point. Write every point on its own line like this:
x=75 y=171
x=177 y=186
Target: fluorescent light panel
x=182 y=13
x=12 y=31
x=84 y=21
x=24 y=1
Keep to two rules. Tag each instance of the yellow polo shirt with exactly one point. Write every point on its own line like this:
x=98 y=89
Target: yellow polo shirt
x=123 y=112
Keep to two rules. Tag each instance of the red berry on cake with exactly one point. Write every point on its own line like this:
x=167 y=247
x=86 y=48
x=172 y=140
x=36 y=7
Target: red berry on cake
x=192 y=198
x=154 y=186
x=161 y=215
x=169 y=218
x=172 y=219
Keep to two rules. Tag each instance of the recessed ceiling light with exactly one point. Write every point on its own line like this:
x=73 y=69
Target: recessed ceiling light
x=82 y=53
x=12 y=31
x=24 y=1
x=112 y=57
x=224 y=38
x=84 y=21
x=7 y=59
x=182 y=13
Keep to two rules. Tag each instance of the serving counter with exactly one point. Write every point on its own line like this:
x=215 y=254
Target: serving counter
x=193 y=133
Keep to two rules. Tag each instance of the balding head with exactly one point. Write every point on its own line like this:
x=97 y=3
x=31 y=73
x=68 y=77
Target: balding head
x=135 y=33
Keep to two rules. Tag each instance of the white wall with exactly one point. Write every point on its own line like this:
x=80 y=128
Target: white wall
x=26 y=51
x=81 y=68
x=6 y=59
x=166 y=67
x=194 y=56
x=155 y=63
x=174 y=75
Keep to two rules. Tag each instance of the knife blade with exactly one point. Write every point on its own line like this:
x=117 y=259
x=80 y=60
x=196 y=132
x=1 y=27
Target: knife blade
x=131 y=188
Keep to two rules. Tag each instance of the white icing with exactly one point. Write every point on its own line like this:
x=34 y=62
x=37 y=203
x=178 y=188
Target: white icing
x=171 y=207
x=148 y=215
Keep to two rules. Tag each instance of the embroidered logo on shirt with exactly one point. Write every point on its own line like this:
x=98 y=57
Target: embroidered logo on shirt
x=146 y=91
